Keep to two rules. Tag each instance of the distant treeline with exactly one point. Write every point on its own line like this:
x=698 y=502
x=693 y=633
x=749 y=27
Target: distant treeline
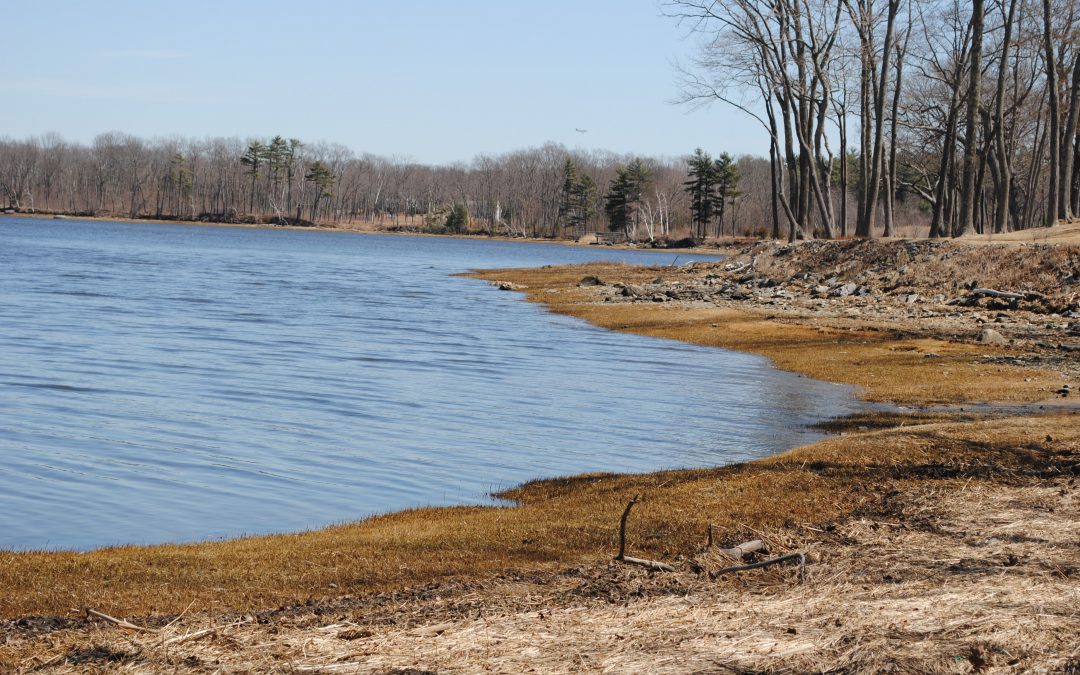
x=549 y=191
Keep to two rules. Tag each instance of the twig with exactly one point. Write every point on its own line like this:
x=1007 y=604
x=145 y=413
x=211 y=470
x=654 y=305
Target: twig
x=180 y=639
x=119 y=622
x=649 y=564
x=766 y=563
x=622 y=557
x=622 y=527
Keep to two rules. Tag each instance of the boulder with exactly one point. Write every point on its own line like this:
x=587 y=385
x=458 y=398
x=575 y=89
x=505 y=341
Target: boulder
x=989 y=336
x=845 y=290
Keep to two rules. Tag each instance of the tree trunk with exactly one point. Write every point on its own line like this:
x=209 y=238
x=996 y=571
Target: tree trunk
x=966 y=224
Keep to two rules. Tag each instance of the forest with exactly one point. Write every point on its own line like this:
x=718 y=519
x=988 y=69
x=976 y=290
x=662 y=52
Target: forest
x=883 y=118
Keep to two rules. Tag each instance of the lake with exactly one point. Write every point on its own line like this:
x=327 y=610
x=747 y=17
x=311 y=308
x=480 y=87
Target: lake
x=172 y=383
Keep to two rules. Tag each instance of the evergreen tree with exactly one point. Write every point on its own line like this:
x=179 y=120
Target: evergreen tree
x=726 y=177
x=701 y=186
x=323 y=179
x=277 y=157
x=622 y=202
x=457 y=221
x=576 y=196
x=253 y=158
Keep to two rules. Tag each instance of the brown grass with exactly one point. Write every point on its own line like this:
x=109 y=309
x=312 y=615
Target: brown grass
x=922 y=522
x=558 y=521
x=886 y=367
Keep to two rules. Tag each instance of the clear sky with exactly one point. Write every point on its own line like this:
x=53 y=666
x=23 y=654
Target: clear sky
x=434 y=81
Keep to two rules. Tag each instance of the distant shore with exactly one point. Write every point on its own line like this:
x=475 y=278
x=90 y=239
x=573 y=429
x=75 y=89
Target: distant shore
x=931 y=534
x=363 y=228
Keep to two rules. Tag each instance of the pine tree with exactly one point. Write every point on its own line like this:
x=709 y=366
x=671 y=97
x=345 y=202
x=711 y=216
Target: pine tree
x=253 y=158
x=323 y=179
x=457 y=221
x=726 y=177
x=701 y=186
x=622 y=202
x=277 y=157
x=576 y=196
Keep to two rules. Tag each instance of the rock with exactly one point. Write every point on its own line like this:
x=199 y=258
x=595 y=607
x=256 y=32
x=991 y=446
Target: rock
x=931 y=355
x=740 y=293
x=507 y=286
x=632 y=291
x=989 y=336
x=844 y=291
x=1069 y=347
x=820 y=291
x=912 y=298
x=592 y=281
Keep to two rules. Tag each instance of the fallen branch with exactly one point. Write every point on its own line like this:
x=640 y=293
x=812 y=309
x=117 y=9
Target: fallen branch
x=980 y=292
x=744 y=549
x=767 y=563
x=648 y=564
x=119 y=622
x=622 y=557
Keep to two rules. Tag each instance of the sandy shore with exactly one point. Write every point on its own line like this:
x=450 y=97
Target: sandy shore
x=936 y=540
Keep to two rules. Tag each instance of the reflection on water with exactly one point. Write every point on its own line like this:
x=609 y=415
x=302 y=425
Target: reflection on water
x=174 y=383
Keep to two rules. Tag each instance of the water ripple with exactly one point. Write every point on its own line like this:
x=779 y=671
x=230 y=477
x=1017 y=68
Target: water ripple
x=166 y=383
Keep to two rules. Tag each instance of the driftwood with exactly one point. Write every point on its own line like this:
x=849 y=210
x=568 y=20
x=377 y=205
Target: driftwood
x=622 y=557
x=741 y=551
x=768 y=563
x=119 y=622
x=989 y=292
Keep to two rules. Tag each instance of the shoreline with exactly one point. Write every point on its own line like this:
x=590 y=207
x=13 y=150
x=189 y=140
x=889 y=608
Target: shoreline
x=892 y=481
x=697 y=250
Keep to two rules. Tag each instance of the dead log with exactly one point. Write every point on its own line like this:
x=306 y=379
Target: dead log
x=768 y=563
x=744 y=549
x=622 y=557
x=989 y=292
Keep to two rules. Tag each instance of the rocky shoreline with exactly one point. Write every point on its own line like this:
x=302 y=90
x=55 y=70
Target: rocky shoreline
x=976 y=295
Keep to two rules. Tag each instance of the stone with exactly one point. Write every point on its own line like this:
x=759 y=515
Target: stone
x=912 y=298
x=592 y=281
x=989 y=336
x=844 y=291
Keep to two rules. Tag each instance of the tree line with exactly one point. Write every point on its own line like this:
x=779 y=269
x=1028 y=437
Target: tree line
x=970 y=107
x=883 y=117
x=548 y=191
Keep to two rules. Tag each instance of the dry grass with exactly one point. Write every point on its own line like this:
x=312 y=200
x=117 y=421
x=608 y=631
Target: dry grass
x=888 y=368
x=972 y=567
x=559 y=522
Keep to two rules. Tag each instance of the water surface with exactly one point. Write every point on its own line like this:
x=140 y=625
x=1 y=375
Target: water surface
x=176 y=383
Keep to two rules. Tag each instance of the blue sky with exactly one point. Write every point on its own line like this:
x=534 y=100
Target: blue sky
x=434 y=81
